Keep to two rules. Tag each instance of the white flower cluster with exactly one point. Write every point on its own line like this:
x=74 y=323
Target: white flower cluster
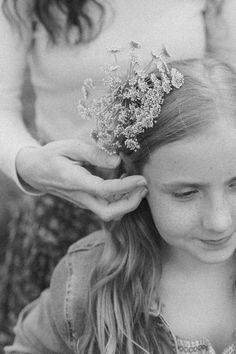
x=132 y=104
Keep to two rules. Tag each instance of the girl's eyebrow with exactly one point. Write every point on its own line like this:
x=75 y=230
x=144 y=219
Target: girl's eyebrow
x=183 y=184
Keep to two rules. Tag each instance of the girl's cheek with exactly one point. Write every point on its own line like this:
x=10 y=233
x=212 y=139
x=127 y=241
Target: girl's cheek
x=173 y=216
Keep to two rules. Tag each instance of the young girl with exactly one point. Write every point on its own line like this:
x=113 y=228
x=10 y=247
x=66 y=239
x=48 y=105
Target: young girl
x=161 y=280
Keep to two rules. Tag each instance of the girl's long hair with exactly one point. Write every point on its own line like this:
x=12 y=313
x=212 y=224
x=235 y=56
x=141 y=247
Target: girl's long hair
x=124 y=284
x=78 y=15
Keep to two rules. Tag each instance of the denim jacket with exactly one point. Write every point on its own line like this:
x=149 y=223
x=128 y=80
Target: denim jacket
x=54 y=322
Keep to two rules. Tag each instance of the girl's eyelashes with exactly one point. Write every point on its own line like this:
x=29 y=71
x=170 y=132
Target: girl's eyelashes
x=185 y=195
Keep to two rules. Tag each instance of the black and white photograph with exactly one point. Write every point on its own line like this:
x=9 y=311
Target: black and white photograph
x=117 y=176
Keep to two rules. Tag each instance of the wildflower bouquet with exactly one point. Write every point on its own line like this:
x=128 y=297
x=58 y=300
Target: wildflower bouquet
x=132 y=103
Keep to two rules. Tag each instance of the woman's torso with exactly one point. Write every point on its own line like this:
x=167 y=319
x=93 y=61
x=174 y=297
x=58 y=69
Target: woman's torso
x=58 y=72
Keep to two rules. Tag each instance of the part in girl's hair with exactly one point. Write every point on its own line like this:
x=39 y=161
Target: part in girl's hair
x=84 y=15
x=124 y=283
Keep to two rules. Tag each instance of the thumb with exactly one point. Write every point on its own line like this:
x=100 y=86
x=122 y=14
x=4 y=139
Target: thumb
x=83 y=152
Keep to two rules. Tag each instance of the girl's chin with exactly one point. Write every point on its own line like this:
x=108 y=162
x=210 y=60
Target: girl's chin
x=215 y=252
x=196 y=251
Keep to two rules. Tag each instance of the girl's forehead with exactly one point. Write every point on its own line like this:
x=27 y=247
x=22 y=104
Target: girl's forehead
x=209 y=154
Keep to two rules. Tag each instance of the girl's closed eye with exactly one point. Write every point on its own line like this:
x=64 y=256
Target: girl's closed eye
x=187 y=194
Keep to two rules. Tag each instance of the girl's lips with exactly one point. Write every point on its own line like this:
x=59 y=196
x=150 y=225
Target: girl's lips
x=217 y=241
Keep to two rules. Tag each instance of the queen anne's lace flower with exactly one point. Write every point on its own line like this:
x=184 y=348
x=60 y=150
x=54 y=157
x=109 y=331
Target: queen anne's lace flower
x=132 y=104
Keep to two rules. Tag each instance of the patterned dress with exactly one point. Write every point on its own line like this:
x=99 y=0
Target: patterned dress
x=173 y=344
x=202 y=346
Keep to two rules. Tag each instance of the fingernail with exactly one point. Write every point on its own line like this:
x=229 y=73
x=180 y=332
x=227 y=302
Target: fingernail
x=141 y=183
x=143 y=192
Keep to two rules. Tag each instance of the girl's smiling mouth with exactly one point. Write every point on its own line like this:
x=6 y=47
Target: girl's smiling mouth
x=217 y=242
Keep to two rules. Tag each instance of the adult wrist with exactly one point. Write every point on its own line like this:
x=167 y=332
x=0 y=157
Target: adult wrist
x=20 y=181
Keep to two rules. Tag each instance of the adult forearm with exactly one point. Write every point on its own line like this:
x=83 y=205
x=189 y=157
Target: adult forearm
x=13 y=137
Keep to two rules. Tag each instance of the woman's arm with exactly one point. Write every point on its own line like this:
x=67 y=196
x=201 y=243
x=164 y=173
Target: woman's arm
x=13 y=53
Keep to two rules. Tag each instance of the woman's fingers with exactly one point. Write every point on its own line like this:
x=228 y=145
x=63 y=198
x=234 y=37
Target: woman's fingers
x=107 y=210
x=105 y=189
x=114 y=210
x=80 y=151
x=55 y=172
x=56 y=169
x=77 y=178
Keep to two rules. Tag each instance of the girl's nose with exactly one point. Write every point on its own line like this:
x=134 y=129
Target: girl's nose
x=217 y=217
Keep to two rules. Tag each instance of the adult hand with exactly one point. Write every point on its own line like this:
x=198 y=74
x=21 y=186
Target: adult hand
x=56 y=168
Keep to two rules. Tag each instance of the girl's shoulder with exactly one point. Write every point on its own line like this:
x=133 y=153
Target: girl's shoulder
x=70 y=281
x=74 y=270
x=90 y=243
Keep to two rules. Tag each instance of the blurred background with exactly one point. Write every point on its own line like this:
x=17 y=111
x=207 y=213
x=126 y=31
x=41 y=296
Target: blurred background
x=9 y=193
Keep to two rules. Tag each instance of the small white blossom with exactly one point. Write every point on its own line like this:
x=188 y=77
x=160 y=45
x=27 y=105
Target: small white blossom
x=155 y=55
x=114 y=50
x=177 y=79
x=89 y=83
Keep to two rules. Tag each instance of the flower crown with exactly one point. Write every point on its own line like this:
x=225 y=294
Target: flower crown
x=132 y=104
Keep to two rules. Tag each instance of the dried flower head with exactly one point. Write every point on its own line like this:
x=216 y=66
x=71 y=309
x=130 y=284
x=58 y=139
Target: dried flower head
x=132 y=104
